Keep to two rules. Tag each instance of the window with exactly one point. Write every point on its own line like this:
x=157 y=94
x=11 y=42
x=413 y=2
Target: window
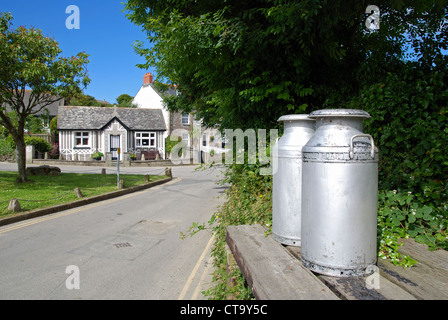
x=81 y=139
x=145 y=139
x=204 y=140
x=185 y=118
x=186 y=138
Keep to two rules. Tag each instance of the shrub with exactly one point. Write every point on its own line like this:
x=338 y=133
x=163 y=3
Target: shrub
x=410 y=126
x=6 y=150
x=40 y=144
x=54 y=152
x=97 y=155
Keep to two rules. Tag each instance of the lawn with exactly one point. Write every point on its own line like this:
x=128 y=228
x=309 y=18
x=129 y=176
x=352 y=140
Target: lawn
x=47 y=191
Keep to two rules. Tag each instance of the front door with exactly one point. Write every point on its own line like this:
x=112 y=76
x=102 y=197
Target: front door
x=114 y=145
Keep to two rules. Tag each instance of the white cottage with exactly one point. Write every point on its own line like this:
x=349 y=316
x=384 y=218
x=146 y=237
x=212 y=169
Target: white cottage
x=198 y=139
x=148 y=97
x=84 y=131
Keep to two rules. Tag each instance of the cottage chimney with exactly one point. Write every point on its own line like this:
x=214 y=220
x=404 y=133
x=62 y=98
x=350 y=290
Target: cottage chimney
x=148 y=78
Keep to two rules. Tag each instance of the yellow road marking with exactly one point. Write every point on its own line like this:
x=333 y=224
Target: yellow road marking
x=201 y=280
x=195 y=269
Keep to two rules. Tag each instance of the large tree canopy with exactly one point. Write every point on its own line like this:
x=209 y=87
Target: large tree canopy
x=30 y=61
x=242 y=64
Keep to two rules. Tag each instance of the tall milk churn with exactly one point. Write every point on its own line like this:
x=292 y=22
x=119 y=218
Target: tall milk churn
x=287 y=178
x=339 y=197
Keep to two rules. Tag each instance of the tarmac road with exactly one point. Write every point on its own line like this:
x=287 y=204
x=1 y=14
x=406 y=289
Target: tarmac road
x=123 y=248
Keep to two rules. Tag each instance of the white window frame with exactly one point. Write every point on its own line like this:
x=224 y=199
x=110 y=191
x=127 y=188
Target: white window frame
x=151 y=137
x=185 y=118
x=186 y=138
x=81 y=135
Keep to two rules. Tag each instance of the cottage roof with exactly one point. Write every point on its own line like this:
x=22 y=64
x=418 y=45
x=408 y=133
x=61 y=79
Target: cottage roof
x=167 y=90
x=96 y=118
x=52 y=108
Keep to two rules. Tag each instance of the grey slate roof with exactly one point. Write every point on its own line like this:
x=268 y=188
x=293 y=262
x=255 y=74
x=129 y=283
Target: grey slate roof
x=52 y=108
x=170 y=91
x=96 y=118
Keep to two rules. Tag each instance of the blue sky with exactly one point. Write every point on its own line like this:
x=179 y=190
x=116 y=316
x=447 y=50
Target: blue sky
x=105 y=34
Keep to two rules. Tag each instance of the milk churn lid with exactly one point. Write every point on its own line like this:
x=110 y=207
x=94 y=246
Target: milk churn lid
x=339 y=113
x=293 y=117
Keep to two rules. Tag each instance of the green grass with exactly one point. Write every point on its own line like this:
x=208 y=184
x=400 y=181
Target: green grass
x=47 y=191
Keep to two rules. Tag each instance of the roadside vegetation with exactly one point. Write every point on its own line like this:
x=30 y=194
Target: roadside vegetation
x=410 y=126
x=242 y=66
x=47 y=191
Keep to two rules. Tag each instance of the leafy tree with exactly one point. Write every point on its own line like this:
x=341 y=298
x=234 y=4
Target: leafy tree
x=33 y=124
x=81 y=99
x=30 y=61
x=242 y=64
x=125 y=100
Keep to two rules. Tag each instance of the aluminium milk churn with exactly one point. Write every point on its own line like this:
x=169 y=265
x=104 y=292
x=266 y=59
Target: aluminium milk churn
x=339 y=198
x=287 y=178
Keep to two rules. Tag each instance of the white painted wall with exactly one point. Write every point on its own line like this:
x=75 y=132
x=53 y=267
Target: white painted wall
x=148 y=98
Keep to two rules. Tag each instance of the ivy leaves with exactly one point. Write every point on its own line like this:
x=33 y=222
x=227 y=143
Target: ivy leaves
x=401 y=215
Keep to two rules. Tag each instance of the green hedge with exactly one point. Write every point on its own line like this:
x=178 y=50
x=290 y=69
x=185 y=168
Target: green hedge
x=410 y=126
x=40 y=144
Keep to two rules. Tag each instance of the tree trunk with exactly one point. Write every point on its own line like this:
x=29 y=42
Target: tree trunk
x=21 y=157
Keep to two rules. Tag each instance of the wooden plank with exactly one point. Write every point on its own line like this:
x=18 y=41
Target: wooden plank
x=355 y=288
x=421 y=253
x=271 y=272
x=428 y=279
x=421 y=280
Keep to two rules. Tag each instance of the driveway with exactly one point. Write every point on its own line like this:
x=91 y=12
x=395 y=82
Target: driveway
x=123 y=248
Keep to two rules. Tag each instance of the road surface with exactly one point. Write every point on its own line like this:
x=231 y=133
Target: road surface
x=123 y=248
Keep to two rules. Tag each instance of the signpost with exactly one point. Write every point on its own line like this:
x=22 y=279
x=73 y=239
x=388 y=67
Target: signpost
x=118 y=168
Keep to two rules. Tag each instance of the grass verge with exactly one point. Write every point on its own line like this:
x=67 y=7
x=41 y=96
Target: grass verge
x=47 y=191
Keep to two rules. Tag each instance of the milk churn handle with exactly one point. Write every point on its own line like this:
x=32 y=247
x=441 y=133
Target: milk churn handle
x=372 y=151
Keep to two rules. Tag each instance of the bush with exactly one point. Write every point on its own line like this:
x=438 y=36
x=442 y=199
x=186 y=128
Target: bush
x=97 y=155
x=6 y=150
x=169 y=144
x=409 y=124
x=40 y=144
x=54 y=153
